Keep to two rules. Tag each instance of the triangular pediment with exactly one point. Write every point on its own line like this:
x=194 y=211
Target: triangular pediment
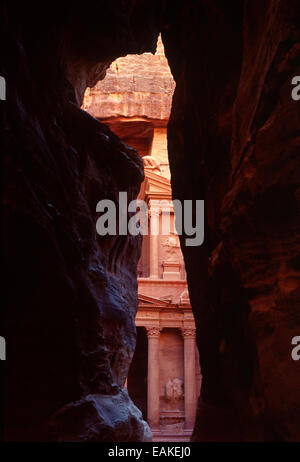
x=152 y=301
x=155 y=185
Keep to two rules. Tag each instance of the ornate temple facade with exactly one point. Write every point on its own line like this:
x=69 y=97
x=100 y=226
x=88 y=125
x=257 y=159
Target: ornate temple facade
x=165 y=318
x=164 y=378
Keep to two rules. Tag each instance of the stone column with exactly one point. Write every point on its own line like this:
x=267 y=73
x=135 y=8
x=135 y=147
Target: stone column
x=154 y=244
x=153 y=409
x=189 y=336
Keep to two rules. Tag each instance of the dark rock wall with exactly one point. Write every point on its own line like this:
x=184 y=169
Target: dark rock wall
x=71 y=296
x=234 y=134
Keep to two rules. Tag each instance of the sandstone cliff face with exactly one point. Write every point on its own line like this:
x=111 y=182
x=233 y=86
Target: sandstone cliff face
x=234 y=133
x=71 y=295
x=134 y=86
x=233 y=141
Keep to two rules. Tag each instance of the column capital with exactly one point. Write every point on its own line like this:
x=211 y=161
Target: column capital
x=153 y=331
x=188 y=332
x=153 y=212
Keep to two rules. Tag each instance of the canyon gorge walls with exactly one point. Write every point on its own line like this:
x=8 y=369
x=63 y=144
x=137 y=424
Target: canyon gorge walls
x=233 y=140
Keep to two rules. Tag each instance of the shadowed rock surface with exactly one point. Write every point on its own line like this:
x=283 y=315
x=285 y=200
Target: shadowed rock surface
x=71 y=296
x=234 y=134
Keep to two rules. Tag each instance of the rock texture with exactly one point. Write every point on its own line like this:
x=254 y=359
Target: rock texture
x=134 y=86
x=100 y=415
x=71 y=295
x=233 y=141
x=234 y=134
x=135 y=99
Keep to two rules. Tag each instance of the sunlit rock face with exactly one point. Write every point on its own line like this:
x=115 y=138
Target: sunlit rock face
x=233 y=141
x=71 y=295
x=134 y=86
x=135 y=100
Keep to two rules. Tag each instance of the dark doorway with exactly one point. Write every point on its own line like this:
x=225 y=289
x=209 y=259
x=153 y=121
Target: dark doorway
x=137 y=376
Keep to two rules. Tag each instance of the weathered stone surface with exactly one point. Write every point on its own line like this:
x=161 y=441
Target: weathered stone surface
x=234 y=134
x=134 y=86
x=71 y=295
x=109 y=417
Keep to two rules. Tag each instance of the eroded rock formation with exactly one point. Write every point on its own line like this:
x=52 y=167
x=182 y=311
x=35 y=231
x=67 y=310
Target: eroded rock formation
x=234 y=135
x=134 y=86
x=71 y=295
x=233 y=140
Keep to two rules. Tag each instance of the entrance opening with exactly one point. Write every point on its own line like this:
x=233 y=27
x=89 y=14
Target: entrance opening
x=171 y=365
x=137 y=375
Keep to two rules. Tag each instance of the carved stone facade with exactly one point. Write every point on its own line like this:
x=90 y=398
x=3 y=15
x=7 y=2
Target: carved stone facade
x=173 y=373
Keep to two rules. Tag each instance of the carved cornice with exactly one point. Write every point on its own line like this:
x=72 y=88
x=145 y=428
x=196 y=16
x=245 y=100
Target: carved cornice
x=153 y=331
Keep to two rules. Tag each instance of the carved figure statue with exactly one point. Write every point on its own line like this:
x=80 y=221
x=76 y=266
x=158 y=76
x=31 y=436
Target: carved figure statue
x=174 y=389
